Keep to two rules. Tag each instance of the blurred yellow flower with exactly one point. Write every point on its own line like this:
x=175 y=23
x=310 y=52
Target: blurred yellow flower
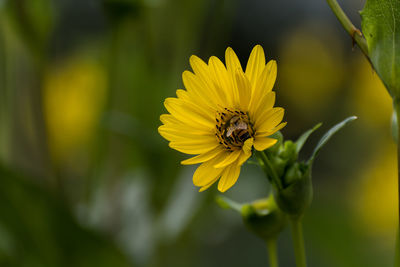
x=368 y=89
x=223 y=113
x=311 y=68
x=374 y=196
x=73 y=98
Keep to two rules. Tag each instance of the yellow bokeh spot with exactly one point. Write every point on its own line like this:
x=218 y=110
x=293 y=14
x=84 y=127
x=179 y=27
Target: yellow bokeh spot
x=370 y=99
x=74 y=95
x=310 y=69
x=374 y=196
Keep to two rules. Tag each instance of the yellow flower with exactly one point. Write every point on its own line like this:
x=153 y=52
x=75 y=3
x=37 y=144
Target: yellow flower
x=223 y=113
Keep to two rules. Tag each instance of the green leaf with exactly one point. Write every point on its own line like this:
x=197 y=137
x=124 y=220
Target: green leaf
x=381 y=27
x=328 y=135
x=303 y=138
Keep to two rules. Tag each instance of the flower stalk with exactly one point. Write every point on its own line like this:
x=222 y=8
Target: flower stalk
x=267 y=167
x=396 y=107
x=355 y=33
x=272 y=252
x=298 y=243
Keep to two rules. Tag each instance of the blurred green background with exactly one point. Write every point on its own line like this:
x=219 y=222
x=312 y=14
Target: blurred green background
x=85 y=179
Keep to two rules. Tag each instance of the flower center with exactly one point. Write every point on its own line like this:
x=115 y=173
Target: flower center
x=233 y=128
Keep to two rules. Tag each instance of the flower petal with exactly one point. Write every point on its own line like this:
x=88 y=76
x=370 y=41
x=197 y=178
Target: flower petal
x=196 y=103
x=206 y=173
x=265 y=82
x=256 y=64
x=246 y=151
x=204 y=157
x=203 y=188
x=266 y=102
x=220 y=76
x=187 y=114
x=269 y=119
x=198 y=90
x=181 y=134
x=229 y=177
x=263 y=143
x=203 y=73
x=232 y=61
x=244 y=90
x=228 y=158
x=192 y=148
x=272 y=131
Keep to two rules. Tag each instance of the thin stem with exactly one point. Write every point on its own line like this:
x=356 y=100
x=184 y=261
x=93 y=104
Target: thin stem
x=349 y=26
x=268 y=168
x=397 y=253
x=396 y=107
x=298 y=243
x=272 y=252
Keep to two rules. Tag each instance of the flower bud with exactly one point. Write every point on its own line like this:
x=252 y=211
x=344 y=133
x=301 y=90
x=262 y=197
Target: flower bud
x=290 y=177
x=297 y=193
x=264 y=218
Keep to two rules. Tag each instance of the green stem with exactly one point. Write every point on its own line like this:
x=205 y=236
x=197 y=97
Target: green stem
x=396 y=107
x=272 y=252
x=298 y=243
x=268 y=168
x=349 y=26
x=397 y=253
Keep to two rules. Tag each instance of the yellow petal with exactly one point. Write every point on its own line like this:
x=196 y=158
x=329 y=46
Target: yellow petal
x=263 y=143
x=246 y=151
x=203 y=73
x=229 y=177
x=269 y=119
x=233 y=66
x=193 y=148
x=187 y=114
x=198 y=89
x=264 y=84
x=220 y=76
x=266 y=102
x=203 y=188
x=180 y=134
x=206 y=173
x=196 y=103
x=256 y=64
x=227 y=158
x=272 y=131
x=244 y=90
x=204 y=157
x=232 y=61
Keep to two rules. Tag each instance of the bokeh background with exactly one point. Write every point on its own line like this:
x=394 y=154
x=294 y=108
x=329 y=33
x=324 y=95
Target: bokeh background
x=85 y=179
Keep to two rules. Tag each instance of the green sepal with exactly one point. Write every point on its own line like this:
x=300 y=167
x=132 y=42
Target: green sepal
x=297 y=195
x=303 y=138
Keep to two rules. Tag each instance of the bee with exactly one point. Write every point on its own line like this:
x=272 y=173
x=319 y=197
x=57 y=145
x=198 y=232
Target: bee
x=238 y=129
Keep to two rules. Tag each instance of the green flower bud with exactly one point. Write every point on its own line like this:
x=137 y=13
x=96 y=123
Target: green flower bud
x=289 y=153
x=291 y=179
x=264 y=218
x=297 y=193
